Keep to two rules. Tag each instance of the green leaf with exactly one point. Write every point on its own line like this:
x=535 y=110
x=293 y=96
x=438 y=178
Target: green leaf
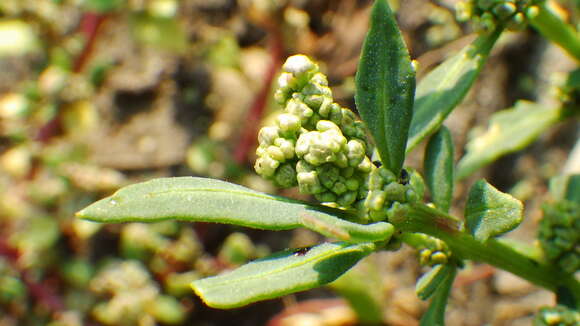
x=430 y=281
x=362 y=286
x=509 y=130
x=435 y=314
x=201 y=200
x=490 y=212
x=280 y=274
x=438 y=167
x=566 y=187
x=340 y=229
x=442 y=89
x=385 y=86
x=103 y=5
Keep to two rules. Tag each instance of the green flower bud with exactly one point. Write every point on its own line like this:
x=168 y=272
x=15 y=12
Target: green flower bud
x=326 y=197
x=432 y=251
x=266 y=166
x=532 y=12
x=485 y=23
x=325 y=125
x=347 y=199
x=347 y=172
x=321 y=147
x=352 y=184
x=288 y=123
x=355 y=152
x=313 y=88
x=285 y=80
x=286 y=146
x=297 y=108
x=376 y=200
x=308 y=182
x=559 y=235
x=517 y=22
x=486 y=4
x=267 y=135
x=557 y=316
x=275 y=153
x=488 y=14
x=316 y=142
x=387 y=175
x=463 y=10
x=285 y=176
x=504 y=10
x=365 y=166
x=438 y=257
x=299 y=64
x=396 y=191
x=326 y=107
x=320 y=79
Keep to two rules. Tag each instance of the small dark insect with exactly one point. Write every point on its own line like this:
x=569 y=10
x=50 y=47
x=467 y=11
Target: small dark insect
x=404 y=178
x=378 y=163
x=301 y=251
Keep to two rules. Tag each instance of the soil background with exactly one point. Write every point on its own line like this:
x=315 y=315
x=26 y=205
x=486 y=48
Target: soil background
x=123 y=92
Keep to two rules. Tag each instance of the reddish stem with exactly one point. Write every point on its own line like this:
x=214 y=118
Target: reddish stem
x=89 y=27
x=250 y=126
x=43 y=293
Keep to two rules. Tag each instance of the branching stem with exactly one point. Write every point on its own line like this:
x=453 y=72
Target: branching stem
x=556 y=30
x=424 y=219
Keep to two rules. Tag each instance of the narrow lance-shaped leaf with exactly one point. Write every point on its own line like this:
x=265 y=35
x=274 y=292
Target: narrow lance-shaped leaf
x=197 y=200
x=432 y=280
x=385 y=86
x=337 y=228
x=509 y=130
x=280 y=274
x=208 y=200
x=442 y=89
x=438 y=167
x=435 y=314
x=362 y=286
x=490 y=212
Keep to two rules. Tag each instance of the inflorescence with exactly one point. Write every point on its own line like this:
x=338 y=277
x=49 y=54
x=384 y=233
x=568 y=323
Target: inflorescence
x=559 y=235
x=322 y=148
x=487 y=15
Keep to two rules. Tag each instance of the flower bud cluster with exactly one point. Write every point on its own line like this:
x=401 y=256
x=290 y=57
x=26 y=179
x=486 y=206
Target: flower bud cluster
x=559 y=235
x=315 y=144
x=436 y=252
x=321 y=147
x=387 y=194
x=557 y=316
x=486 y=15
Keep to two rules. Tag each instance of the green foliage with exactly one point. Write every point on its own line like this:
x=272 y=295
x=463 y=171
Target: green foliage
x=443 y=88
x=103 y=5
x=322 y=148
x=428 y=284
x=509 y=130
x=316 y=144
x=559 y=234
x=435 y=314
x=385 y=86
x=282 y=273
x=486 y=15
x=557 y=316
x=490 y=212
x=438 y=166
x=198 y=199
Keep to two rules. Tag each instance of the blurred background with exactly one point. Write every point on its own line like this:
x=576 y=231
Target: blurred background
x=98 y=94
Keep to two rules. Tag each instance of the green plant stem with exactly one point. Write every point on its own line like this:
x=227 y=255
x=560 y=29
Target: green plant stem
x=556 y=30
x=424 y=219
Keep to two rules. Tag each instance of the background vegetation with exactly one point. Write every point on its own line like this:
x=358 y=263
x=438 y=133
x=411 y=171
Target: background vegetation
x=97 y=94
